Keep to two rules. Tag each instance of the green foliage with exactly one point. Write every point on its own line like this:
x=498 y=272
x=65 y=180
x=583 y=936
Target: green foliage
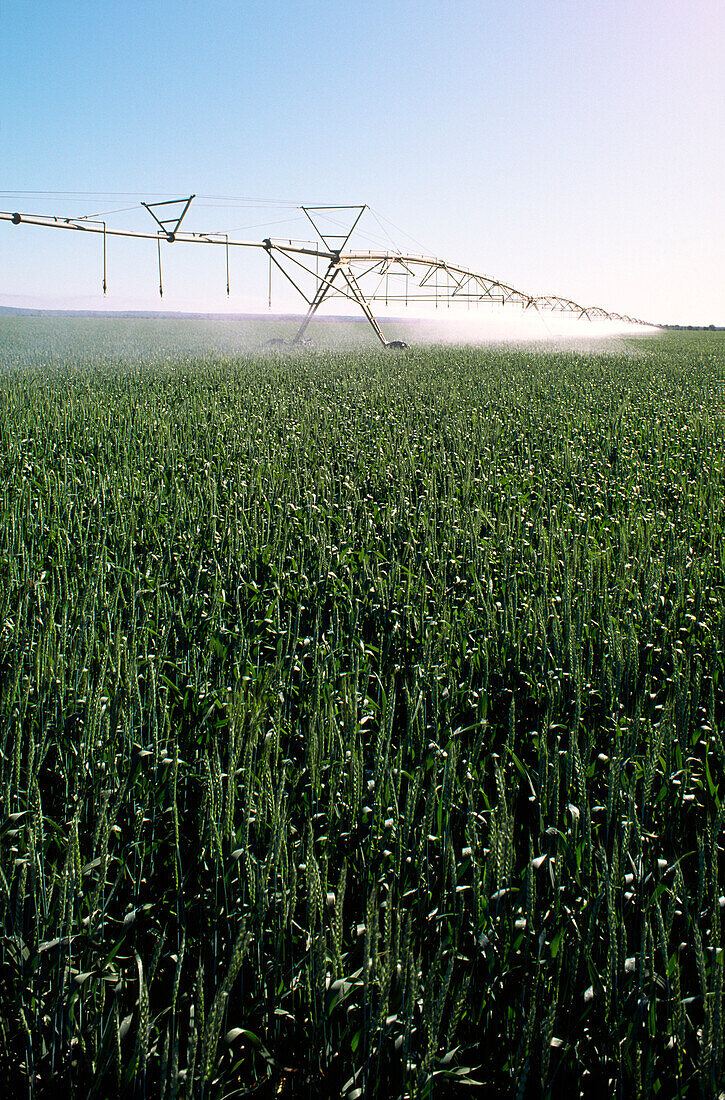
x=361 y=721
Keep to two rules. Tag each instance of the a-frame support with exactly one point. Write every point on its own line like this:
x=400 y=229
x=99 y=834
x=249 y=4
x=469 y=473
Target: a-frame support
x=335 y=268
x=362 y=302
x=320 y=294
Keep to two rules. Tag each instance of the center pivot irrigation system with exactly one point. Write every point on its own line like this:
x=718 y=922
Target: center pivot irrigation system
x=330 y=270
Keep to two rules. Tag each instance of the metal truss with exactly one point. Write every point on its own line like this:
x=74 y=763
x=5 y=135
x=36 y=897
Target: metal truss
x=359 y=277
x=169 y=225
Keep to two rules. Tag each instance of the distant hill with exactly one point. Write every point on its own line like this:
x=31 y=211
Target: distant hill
x=694 y=328
x=170 y=315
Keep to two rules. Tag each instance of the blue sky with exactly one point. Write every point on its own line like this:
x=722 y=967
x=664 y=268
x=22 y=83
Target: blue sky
x=564 y=147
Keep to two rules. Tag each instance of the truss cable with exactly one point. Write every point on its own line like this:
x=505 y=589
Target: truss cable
x=153 y=194
x=228 y=201
x=84 y=197
x=263 y=225
x=390 y=239
x=249 y=200
x=397 y=228
x=104 y=213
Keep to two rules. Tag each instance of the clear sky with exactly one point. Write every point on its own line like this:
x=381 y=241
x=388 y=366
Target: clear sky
x=562 y=146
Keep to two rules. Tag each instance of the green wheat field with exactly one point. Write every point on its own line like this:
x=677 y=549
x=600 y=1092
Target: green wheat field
x=361 y=716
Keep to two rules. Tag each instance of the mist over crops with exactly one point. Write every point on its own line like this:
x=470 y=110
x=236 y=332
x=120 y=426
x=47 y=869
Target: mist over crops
x=47 y=339
x=361 y=716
